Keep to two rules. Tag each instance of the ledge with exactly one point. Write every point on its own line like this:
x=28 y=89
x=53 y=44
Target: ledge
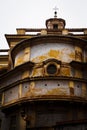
x=47 y=39
x=45 y=98
x=18 y=68
x=29 y=79
x=79 y=65
x=72 y=122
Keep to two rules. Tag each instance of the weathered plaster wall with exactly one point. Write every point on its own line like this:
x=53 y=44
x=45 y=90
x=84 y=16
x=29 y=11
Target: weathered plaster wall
x=37 y=71
x=78 y=89
x=48 y=88
x=63 y=70
x=11 y=95
x=39 y=53
x=45 y=88
x=19 y=58
x=22 y=56
x=60 y=51
x=11 y=79
x=78 y=53
x=25 y=88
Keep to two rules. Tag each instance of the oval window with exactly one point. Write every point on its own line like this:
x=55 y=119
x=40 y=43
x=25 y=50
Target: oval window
x=51 y=69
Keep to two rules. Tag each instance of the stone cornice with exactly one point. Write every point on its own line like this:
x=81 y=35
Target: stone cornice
x=42 y=78
x=44 y=99
x=17 y=69
x=47 y=39
x=79 y=65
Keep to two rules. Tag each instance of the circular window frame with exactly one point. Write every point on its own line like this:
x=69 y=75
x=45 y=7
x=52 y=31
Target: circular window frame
x=51 y=74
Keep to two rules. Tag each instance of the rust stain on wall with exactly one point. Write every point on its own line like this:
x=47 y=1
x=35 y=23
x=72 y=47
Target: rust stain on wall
x=40 y=58
x=57 y=91
x=65 y=71
x=50 y=54
x=71 y=88
x=57 y=54
x=71 y=84
x=72 y=55
x=54 y=53
x=37 y=72
x=19 y=61
x=33 y=91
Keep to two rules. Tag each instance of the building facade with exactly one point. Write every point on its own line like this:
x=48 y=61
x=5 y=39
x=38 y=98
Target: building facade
x=43 y=79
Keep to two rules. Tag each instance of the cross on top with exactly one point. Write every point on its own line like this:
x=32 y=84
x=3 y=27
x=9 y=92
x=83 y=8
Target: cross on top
x=55 y=13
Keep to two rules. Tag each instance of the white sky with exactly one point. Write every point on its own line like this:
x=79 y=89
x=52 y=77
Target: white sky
x=33 y=13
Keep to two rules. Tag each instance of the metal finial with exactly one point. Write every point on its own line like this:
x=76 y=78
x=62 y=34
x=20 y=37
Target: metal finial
x=55 y=13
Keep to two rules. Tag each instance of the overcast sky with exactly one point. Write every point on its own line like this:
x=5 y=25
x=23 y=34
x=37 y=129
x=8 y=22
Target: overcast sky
x=33 y=13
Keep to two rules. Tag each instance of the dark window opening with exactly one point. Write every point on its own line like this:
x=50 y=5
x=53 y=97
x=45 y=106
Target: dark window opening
x=51 y=69
x=13 y=123
x=55 y=26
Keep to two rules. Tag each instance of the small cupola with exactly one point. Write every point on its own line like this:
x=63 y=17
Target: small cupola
x=55 y=23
